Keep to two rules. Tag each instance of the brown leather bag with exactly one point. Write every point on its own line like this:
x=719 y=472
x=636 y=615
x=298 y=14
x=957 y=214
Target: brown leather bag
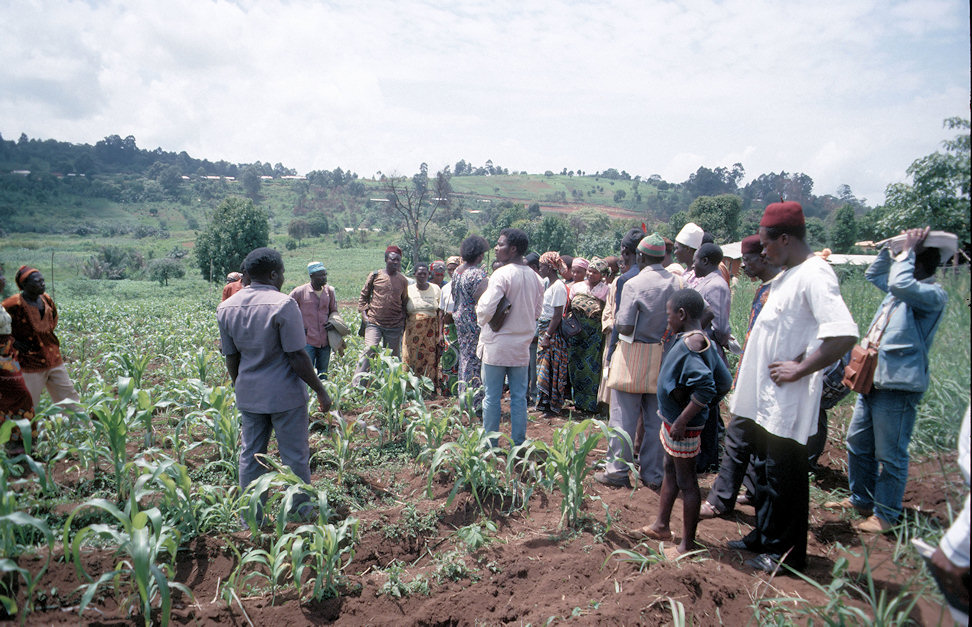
x=859 y=373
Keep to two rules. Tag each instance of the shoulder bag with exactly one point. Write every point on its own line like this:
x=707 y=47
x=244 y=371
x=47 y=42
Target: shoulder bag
x=370 y=288
x=635 y=366
x=859 y=373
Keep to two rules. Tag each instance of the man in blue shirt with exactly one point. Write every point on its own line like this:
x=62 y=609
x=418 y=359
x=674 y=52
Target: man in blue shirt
x=904 y=328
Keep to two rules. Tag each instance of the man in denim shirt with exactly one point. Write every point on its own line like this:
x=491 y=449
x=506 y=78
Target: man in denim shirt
x=879 y=432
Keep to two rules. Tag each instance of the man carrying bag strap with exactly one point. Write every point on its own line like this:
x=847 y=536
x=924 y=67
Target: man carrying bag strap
x=635 y=364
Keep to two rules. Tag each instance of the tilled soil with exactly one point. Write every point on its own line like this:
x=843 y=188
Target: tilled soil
x=531 y=572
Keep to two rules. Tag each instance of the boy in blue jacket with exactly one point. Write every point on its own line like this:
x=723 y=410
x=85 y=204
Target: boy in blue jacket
x=692 y=378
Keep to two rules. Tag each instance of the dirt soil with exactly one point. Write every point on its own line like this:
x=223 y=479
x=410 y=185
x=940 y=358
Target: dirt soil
x=531 y=572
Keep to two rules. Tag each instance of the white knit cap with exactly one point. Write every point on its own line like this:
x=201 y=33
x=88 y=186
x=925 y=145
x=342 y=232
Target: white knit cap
x=690 y=235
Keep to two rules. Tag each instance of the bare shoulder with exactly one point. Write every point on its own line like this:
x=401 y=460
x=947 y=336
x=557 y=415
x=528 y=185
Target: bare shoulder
x=696 y=342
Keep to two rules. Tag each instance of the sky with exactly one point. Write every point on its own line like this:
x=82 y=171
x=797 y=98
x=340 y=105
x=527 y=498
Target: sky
x=846 y=91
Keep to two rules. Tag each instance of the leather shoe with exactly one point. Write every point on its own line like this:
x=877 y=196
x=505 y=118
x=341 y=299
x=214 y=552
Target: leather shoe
x=605 y=479
x=874 y=524
x=766 y=562
x=744 y=499
x=848 y=504
x=738 y=545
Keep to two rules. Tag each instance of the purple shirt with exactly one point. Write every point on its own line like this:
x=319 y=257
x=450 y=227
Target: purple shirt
x=261 y=325
x=315 y=310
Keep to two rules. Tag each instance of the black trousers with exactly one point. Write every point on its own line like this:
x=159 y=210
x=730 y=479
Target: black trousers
x=817 y=441
x=782 y=498
x=735 y=469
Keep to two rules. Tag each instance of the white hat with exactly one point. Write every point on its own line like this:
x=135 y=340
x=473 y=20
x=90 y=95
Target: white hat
x=690 y=235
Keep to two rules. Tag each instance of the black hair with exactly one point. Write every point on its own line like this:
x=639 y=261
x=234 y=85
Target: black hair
x=532 y=259
x=798 y=231
x=472 y=247
x=929 y=259
x=689 y=300
x=261 y=262
x=631 y=239
x=708 y=238
x=568 y=261
x=421 y=264
x=518 y=239
x=712 y=252
x=652 y=260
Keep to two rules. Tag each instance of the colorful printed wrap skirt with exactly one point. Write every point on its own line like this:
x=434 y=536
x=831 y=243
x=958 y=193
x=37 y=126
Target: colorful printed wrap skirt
x=15 y=401
x=421 y=345
x=551 y=370
x=584 y=354
x=449 y=364
x=687 y=447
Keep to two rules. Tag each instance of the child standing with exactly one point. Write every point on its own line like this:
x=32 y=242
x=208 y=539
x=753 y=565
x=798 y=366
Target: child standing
x=692 y=377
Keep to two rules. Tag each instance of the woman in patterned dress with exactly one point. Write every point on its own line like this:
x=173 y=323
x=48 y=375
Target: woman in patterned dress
x=469 y=283
x=421 y=341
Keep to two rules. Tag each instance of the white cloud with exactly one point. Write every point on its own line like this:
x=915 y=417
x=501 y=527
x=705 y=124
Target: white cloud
x=847 y=92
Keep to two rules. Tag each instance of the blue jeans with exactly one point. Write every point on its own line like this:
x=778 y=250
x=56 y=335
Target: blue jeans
x=493 y=378
x=320 y=356
x=877 y=450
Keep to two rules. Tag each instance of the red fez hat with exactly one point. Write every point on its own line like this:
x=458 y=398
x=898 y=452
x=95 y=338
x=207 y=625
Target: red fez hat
x=783 y=214
x=751 y=245
x=393 y=249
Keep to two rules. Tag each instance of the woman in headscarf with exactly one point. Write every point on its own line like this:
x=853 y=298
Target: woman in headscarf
x=552 y=348
x=421 y=341
x=469 y=283
x=584 y=355
x=15 y=399
x=616 y=266
x=449 y=360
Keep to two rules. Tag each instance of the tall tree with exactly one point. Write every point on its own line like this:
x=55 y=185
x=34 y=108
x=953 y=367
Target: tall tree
x=235 y=228
x=939 y=192
x=251 y=181
x=844 y=232
x=718 y=215
x=414 y=202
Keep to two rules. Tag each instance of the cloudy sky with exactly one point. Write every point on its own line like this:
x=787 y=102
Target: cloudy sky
x=847 y=91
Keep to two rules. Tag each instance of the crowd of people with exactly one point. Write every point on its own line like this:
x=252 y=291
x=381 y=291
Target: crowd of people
x=642 y=337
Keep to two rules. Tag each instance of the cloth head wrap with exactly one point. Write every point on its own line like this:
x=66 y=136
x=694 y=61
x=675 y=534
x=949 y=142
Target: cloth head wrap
x=455 y=259
x=234 y=276
x=552 y=258
x=652 y=245
x=315 y=266
x=751 y=245
x=22 y=274
x=631 y=239
x=580 y=262
x=393 y=249
x=783 y=214
x=599 y=265
x=438 y=266
x=690 y=235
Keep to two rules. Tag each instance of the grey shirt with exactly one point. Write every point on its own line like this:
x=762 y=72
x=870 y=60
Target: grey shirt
x=718 y=297
x=262 y=325
x=643 y=303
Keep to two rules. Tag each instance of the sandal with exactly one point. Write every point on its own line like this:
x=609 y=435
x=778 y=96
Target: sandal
x=707 y=511
x=648 y=532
